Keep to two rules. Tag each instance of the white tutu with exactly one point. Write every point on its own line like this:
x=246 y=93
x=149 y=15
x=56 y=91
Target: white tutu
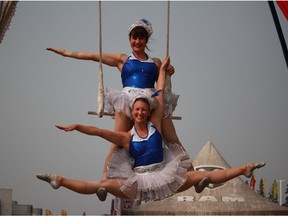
x=151 y=185
x=120 y=101
x=170 y=101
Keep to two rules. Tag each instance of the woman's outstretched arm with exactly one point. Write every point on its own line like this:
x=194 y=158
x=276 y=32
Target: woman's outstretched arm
x=110 y=59
x=120 y=139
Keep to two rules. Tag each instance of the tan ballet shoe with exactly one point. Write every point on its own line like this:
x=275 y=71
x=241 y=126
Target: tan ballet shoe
x=50 y=178
x=249 y=173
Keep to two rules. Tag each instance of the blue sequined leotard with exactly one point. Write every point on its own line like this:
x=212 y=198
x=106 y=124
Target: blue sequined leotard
x=147 y=150
x=139 y=74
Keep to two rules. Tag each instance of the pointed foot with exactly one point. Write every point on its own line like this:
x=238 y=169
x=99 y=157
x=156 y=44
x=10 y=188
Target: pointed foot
x=50 y=178
x=254 y=166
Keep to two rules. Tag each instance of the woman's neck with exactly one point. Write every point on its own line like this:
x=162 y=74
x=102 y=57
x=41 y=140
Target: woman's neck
x=140 y=55
x=141 y=129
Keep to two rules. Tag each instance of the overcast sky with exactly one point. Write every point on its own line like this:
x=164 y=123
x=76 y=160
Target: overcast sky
x=230 y=74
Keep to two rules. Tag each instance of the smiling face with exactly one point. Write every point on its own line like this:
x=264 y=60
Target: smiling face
x=140 y=110
x=138 y=38
x=138 y=44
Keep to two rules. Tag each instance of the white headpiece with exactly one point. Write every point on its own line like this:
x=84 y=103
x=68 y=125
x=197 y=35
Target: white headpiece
x=146 y=94
x=143 y=23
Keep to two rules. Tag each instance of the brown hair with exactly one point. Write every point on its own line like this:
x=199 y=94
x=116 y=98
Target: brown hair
x=141 y=99
x=139 y=31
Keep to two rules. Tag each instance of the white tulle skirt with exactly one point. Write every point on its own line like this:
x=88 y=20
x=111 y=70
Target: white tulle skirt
x=120 y=101
x=151 y=185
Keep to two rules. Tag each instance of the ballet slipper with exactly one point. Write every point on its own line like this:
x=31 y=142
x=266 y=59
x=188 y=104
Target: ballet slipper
x=202 y=185
x=101 y=194
x=249 y=173
x=50 y=178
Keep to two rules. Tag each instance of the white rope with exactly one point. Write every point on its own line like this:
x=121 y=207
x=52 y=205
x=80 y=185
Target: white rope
x=168 y=28
x=100 y=79
x=168 y=85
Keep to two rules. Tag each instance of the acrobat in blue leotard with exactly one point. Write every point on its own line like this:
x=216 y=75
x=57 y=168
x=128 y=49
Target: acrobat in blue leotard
x=153 y=171
x=137 y=76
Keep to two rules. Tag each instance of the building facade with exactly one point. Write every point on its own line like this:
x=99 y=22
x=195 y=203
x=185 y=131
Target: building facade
x=10 y=207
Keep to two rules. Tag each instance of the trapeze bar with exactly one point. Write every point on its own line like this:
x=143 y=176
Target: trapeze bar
x=112 y=114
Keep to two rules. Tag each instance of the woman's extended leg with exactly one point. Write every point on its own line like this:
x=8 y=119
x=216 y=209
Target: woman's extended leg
x=220 y=176
x=84 y=187
x=122 y=123
x=170 y=135
x=169 y=131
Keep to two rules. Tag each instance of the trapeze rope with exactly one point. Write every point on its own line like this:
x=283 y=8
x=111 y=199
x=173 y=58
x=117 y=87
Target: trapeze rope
x=168 y=27
x=168 y=85
x=100 y=79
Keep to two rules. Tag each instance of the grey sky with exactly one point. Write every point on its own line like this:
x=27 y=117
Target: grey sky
x=230 y=73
